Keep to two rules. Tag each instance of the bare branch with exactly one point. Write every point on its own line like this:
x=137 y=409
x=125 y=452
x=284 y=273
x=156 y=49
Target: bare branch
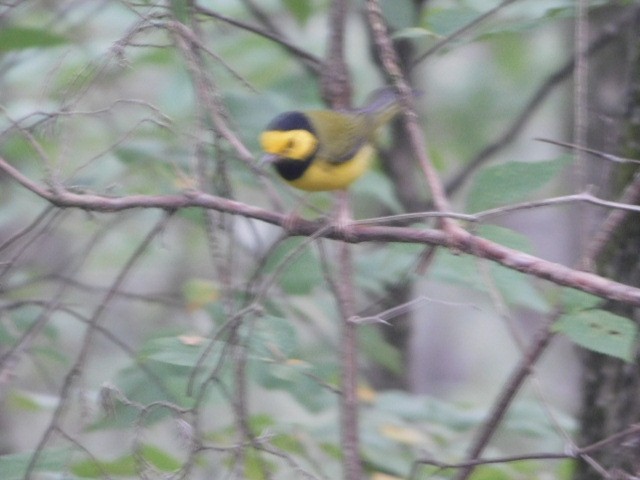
x=597 y=153
x=518 y=124
x=506 y=396
x=465 y=28
x=309 y=60
x=569 y=454
x=80 y=360
x=391 y=64
x=463 y=242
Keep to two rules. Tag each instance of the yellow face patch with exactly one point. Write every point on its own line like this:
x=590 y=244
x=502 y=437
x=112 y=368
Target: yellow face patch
x=293 y=144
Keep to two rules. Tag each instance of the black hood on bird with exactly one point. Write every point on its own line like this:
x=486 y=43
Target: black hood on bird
x=291 y=121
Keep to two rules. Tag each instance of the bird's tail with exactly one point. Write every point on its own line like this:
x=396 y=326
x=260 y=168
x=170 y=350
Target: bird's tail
x=383 y=104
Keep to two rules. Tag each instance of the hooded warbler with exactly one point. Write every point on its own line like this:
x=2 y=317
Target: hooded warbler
x=321 y=150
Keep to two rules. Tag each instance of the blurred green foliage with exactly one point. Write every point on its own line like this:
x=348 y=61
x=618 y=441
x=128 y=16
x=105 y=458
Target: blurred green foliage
x=92 y=101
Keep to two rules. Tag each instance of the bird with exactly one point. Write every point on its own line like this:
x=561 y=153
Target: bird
x=325 y=150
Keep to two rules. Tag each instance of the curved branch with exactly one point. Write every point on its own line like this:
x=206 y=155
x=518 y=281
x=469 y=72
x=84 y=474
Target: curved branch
x=526 y=113
x=465 y=28
x=309 y=60
x=461 y=241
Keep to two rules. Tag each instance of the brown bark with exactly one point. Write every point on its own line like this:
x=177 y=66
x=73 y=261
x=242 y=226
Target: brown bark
x=611 y=387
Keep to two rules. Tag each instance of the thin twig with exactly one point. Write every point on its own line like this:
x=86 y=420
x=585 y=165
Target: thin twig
x=517 y=125
x=391 y=64
x=113 y=338
x=27 y=229
x=309 y=60
x=597 y=153
x=336 y=91
x=465 y=28
x=76 y=368
x=11 y=356
x=506 y=396
x=627 y=201
x=571 y=453
x=42 y=232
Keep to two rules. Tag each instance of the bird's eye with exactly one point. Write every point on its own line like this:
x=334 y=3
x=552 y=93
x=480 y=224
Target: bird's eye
x=290 y=144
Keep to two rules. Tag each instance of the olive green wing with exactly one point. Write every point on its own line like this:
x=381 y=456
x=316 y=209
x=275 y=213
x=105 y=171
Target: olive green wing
x=340 y=134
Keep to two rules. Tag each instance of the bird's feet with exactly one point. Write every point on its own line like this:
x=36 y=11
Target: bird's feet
x=343 y=225
x=291 y=221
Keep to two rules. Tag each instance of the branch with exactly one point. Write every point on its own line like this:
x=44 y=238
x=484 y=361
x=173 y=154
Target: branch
x=309 y=60
x=335 y=84
x=391 y=64
x=570 y=454
x=335 y=87
x=506 y=396
x=464 y=242
x=607 y=36
x=81 y=359
x=465 y=28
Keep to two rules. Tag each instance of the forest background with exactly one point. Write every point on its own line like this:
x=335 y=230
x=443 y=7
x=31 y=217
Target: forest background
x=161 y=317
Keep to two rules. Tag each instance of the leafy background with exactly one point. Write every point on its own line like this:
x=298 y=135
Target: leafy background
x=91 y=100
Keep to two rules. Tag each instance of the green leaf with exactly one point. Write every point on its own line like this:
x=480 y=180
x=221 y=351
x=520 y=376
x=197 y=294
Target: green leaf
x=28 y=402
x=502 y=184
x=565 y=470
x=301 y=272
x=288 y=443
x=181 y=351
x=443 y=21
x=600 y=331
x=505 y=236
x=148 y=170
x=21 y=38
x=127 y=465
x=14 y=467
x=120 y=467
x=485 y=472
x=272 y=344
x=378 y=350
x=273 y=338
x=413 y=32
x=293 y=377
x=6 y=337
x=374 y=191
x=300 y=9
x=516 y=287
x=416 y=408
x=168 y=384
x=575 y=300
x=180 y=9
x=256 y=465
x=388 y=456
x=386 y=266
x=199 y=292
x=528 y=418
x=160 y=459
x=303 y=380
x=399 y=15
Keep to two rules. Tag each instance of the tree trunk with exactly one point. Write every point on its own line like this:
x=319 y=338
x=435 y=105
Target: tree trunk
x=611 y=387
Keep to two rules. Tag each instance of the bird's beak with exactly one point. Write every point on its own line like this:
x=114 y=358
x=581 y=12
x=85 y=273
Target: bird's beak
x=268 y=158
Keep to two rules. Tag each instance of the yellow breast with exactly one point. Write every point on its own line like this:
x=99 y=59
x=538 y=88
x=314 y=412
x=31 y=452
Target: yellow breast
x=323 y=175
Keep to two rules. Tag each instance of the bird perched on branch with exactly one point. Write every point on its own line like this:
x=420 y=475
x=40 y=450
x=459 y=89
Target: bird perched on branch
x=319 y=150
